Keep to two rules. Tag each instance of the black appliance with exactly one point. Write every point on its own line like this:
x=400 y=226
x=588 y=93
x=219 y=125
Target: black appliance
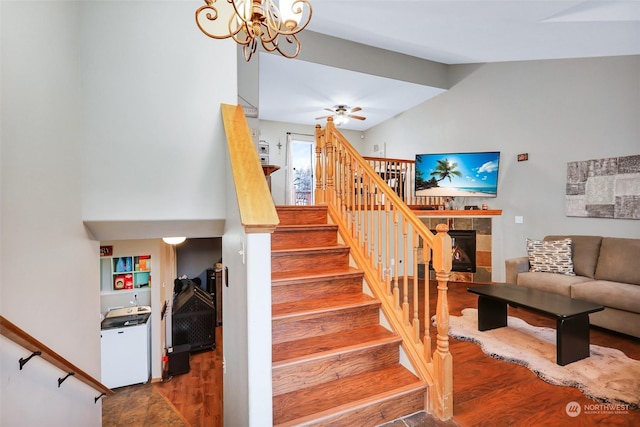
x=214 y=287
x=194 y=318
x=178 y=360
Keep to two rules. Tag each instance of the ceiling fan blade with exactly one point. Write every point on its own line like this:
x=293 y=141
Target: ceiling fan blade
x=357 y=117
x=354 y=109
x=330 y=109
x=322 y=117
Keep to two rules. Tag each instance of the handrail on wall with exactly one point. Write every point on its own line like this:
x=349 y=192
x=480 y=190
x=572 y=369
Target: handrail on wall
x=22 y=338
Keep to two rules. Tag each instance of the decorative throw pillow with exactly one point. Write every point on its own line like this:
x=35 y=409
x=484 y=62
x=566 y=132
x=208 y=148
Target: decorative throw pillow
x=550 y=256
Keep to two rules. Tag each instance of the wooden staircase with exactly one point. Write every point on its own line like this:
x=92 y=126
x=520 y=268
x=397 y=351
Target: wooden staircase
x=333 y=363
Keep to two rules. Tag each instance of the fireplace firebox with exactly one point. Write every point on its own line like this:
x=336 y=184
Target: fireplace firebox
x=463 y=250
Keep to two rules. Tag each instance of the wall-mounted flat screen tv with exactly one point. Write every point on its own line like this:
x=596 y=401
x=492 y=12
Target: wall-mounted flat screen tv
x=457 y=174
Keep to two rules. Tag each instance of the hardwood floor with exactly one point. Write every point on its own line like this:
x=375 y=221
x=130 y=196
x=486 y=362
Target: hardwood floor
x=197 y=395
x=487 y=392
x=491 y=392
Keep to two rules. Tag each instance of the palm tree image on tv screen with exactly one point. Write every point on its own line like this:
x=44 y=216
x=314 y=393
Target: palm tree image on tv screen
x=457 y=174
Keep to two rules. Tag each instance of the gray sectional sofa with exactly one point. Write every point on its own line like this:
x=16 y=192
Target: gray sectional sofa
x=606 y=272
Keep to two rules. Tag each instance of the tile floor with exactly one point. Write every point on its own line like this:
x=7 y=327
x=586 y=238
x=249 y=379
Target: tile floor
x=139 y=406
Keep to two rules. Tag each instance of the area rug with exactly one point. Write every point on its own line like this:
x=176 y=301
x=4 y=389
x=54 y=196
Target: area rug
x=608 y=375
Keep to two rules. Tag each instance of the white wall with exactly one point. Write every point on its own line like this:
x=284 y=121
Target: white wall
x=275 y=133
x=110 y=111
x=49 y=267
x=152 y=86
x=557 y=111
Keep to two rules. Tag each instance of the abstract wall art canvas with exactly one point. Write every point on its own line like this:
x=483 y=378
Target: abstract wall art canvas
x=604 y=188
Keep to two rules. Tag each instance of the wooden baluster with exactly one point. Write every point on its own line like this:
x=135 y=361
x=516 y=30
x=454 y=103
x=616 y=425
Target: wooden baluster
x=442 y=360
x=351 y=194
x=359 y=204
x=416 y=297
x=365 y=209
x=426 y=257
x=330 y=186
x=405 y=279
x=387 y=276
x=345 y=187
x=380 y=237
x=394 y=236
x=372 y=228
x=319 y=196
x=403 y=183
x=371 y=216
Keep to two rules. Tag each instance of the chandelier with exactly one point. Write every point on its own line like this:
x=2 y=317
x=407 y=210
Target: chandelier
x=250 y=22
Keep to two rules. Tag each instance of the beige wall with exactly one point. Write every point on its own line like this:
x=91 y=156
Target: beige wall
x=557 y=111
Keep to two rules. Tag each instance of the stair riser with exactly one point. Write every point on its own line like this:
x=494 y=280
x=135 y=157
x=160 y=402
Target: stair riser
x=371 y=415
x=361 y=383
x=315 y=289
x=313 y=372
x=304 y=238
x=299 y=327
x=297 y=216
x=309 y=262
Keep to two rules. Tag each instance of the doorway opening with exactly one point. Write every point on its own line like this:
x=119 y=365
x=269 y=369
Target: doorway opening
x=301 y=172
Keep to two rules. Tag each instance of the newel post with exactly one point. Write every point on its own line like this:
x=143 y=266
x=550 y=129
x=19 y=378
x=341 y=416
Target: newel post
x=329 y=136
x=320 y=193
x=442 y=398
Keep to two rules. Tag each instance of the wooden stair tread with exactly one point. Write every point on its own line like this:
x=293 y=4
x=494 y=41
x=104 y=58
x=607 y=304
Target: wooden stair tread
x=321 y=305
x=333 y=363
x=303 y=208
x=353 y=391
x=321 y=346
x=286 y=278
x=303 y=227
x=312 y=250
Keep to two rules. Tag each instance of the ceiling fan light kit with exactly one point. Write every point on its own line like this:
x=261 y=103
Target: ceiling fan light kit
x=250 y=22
x=342 y=114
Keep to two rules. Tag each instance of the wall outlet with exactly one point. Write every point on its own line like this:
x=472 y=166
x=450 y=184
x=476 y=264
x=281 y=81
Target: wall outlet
x=519 y=219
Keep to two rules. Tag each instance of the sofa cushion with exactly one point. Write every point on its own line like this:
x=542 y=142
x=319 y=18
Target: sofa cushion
x=618 y=295
x=553 y=256
x=584 y=253
x=618 y=261
x=551 y=282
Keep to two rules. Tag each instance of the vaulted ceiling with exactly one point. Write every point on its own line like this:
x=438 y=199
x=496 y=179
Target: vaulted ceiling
x=445 y=31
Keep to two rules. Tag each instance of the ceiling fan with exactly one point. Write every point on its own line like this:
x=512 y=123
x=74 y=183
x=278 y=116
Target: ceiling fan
x=342 y=114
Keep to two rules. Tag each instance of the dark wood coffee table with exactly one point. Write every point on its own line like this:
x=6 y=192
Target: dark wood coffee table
x=572 y=315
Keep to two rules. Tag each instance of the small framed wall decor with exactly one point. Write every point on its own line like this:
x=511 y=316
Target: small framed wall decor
x=263 y=148
x=264 y=160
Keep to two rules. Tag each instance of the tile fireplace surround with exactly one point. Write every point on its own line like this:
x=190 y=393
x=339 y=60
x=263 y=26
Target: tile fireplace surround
x=481 y=221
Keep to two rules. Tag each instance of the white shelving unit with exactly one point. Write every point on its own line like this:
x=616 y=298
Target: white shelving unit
x=125 y=274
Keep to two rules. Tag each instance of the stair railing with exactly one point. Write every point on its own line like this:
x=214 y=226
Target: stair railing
x=400 y=175
x=24 y=339
x=387 y=241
